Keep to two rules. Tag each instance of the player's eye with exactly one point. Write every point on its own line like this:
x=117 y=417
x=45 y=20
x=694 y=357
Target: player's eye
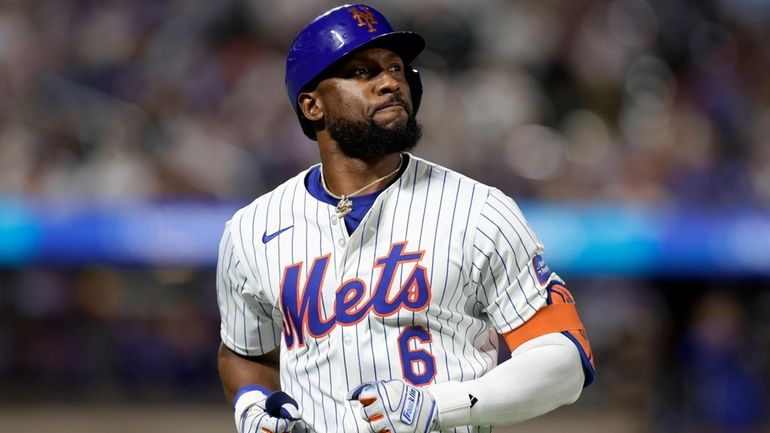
x=360 y=71
x=394 y=68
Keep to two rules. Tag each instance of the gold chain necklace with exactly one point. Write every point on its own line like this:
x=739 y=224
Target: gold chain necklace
x=344 y=206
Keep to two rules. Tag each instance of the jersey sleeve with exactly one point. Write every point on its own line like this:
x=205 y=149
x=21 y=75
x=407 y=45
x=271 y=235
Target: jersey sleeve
x=523 y=298
x=505 y=256
x=248 y=325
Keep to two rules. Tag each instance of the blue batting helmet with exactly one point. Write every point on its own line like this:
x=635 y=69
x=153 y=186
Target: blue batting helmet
x=337 y=33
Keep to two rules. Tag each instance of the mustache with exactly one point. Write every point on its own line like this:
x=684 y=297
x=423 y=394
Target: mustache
x=393 y=101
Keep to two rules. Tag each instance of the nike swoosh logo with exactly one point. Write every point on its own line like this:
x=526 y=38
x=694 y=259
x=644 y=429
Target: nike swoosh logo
x=267 y=238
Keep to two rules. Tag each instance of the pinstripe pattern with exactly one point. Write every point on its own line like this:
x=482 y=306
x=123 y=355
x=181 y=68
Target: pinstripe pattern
x=477 y=250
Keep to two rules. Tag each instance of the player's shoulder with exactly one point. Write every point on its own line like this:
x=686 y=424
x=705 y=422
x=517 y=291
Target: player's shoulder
x=271 y=201
x=479 y=197
x=425 y=168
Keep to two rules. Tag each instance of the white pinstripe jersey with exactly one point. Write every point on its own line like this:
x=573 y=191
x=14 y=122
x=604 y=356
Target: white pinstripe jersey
x=439 y=265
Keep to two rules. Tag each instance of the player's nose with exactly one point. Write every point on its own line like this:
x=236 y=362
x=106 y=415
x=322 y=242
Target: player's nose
x=387 y=83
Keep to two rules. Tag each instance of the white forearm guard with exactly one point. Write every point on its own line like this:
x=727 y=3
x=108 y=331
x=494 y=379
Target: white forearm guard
x=542 y=374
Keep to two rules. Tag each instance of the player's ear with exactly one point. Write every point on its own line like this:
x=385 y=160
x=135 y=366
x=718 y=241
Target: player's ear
x=311 y=106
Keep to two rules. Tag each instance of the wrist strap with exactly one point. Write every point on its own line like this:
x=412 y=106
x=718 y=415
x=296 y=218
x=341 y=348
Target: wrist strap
x=246 y=388
x=245 y=399
x=453 y=402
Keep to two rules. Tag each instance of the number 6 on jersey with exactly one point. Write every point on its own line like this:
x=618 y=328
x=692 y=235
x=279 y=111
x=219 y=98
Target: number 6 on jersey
x=417 y=364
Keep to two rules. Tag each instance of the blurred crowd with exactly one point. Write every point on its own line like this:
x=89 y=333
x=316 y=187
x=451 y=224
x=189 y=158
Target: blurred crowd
x=638 y=100
x=644 y=101
x=107 y=335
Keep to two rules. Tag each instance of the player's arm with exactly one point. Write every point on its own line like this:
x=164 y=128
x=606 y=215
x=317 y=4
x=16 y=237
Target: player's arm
x=548 y=368
x=238 y=371
x=551 y=361
x=541 y=375
x=249 y=353
x=252 y=384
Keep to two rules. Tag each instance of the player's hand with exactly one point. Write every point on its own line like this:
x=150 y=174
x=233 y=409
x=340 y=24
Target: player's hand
x=257 y=412
x=396 y=407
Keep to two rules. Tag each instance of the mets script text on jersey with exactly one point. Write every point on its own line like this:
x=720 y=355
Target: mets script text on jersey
x=303 y=312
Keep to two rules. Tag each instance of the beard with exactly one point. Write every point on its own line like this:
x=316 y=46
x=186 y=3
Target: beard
x=368 y=141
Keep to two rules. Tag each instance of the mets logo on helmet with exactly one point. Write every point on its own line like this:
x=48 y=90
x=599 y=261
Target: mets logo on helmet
x=364 y=16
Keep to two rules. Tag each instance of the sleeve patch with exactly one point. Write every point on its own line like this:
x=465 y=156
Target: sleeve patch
x=541 y=268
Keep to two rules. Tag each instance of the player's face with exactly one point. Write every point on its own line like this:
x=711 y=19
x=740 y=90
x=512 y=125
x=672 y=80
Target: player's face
x=369 y=85
x=367 y=106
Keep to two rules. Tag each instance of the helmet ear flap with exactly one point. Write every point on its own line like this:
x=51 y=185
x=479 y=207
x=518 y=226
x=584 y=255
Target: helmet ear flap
x=415 y=87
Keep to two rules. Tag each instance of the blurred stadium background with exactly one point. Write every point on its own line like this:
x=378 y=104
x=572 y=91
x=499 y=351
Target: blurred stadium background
x=634 y=133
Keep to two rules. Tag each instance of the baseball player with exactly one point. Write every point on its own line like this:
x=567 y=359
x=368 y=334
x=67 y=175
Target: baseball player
x=366 y=294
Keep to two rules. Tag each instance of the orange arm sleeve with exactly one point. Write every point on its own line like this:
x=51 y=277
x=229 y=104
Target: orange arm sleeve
x=560 y=315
